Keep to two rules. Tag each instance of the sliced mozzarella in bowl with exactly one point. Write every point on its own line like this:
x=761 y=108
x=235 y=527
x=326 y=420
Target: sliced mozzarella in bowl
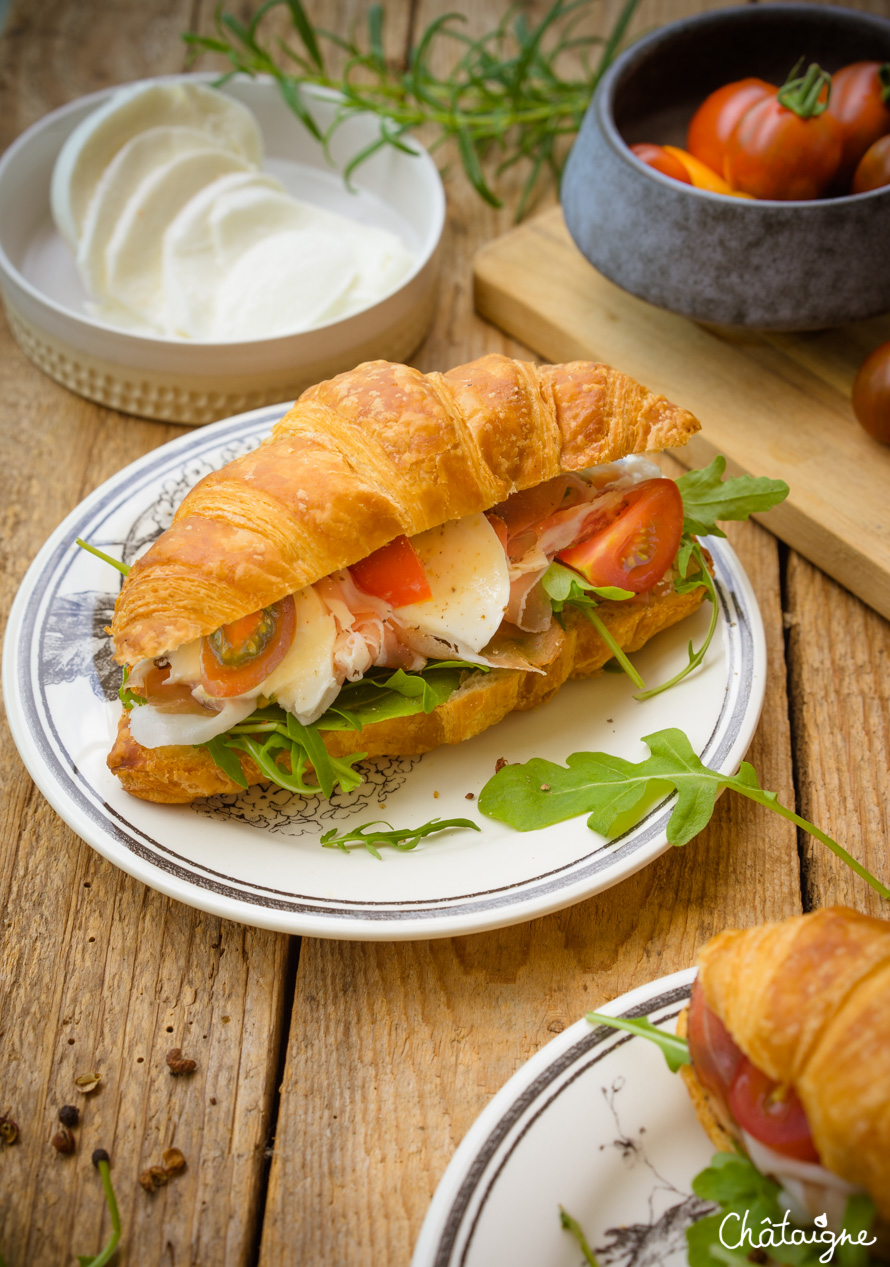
x=135 y=163
x=194 y=254
x=94 y=143
x=282 y=284
x=153 y=728
x=467 y=572
x=133 y=257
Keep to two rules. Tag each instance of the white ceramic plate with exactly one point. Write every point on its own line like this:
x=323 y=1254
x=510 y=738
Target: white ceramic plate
x=256 y=857
x=595 y=1122
x=191 y=381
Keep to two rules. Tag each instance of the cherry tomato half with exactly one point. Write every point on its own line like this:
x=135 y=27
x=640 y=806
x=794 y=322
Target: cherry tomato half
x=776 y=151
x=237 y=657
x=395 y=573
x=714 y=120
x=871 y=394
x=859 y=101
x=772 y=1114
x=715 y=1054
x=639 y=546
x=657 y=156
x=873 y=171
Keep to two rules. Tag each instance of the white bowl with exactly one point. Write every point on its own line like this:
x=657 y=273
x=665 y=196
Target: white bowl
x=196 y=381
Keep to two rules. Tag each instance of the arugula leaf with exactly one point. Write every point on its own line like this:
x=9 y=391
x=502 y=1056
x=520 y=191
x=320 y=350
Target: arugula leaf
x=563 y=586
x=123 y=568
x=400 y=694
x=573 y=1226
x=738 y=1188
x=707 y=497
x=674 y=1049
x=129 y=698
x=225 y=758
x=684 y=584
x=539 y=793
x=406 y=838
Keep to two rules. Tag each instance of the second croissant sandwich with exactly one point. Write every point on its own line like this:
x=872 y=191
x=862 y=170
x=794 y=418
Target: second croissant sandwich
x=369 y=581
x=789 y=1037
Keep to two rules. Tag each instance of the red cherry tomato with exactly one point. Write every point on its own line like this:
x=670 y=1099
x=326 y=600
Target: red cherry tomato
x=715 y=1055
x=395 y=573
x=656 y=156
x=871 y=394
x=237 y=657
x=714 y=120
x=772 y=1114
x=860 y=101
x=873 y=171
x=786 y=151
x=639 y=546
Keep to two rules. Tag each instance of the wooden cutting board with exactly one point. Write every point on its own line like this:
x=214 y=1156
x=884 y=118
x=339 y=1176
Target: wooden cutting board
x=774 y=404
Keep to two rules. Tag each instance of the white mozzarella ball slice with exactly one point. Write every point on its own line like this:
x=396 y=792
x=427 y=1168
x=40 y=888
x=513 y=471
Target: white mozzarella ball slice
x=97 y=139
x=304 y=682
x=134 y=164
x=153 y=728
x=133 y=256
x=185 y=663
x=210 y=233
x=467 y=572
x=282 y=284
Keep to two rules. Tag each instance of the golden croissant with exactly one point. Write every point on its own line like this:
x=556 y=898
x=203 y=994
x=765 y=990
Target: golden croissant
x=392 y=520
x=789 y=1036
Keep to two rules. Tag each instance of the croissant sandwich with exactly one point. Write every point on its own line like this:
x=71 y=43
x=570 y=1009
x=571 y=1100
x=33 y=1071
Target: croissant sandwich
x=369 y=581
x=789 y=1037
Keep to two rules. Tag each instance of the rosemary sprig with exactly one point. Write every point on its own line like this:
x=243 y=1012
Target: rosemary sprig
x=504 y=92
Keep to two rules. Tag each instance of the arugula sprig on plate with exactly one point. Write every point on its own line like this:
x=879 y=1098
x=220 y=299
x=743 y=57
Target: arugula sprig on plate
x=612 y=791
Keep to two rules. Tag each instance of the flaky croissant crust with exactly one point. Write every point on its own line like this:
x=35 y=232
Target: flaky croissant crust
x=808 y=1001
x=376 y=452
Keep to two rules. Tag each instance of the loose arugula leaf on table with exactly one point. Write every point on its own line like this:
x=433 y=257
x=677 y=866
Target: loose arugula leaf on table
x=369 y=836
x=566 y=588
x=539 y=793
x=674 y=1049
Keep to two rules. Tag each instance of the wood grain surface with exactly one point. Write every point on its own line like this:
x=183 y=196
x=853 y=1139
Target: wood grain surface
x=384 y=1054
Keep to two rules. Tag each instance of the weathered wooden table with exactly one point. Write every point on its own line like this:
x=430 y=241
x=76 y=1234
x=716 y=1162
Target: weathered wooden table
x=335 y=1080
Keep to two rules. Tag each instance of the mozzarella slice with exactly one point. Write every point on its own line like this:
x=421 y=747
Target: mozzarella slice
x=282 y=284
x=210 y=233
x=467 y=572
x=133 y=256
x=304 y=682
x=153 y=728
x=808 y=1188
x=135 y=163
x=97 y=139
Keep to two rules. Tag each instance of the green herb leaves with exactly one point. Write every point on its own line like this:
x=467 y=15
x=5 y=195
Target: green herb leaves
x=506 y=91
x=567 y=588
x=708 y=497
x=612 y=792
x=675 y=1050
x=106 y=558
x=748 y=1199
x=369 y=835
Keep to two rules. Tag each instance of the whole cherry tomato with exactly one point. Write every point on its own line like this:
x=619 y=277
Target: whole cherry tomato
x=656 y=156
x=873 y=171
x=786 y=146
x=860 y=101
x=714 y=120
x=871 y=394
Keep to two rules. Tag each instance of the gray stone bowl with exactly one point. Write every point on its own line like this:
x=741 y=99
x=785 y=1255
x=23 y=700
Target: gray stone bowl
x=729 y=261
